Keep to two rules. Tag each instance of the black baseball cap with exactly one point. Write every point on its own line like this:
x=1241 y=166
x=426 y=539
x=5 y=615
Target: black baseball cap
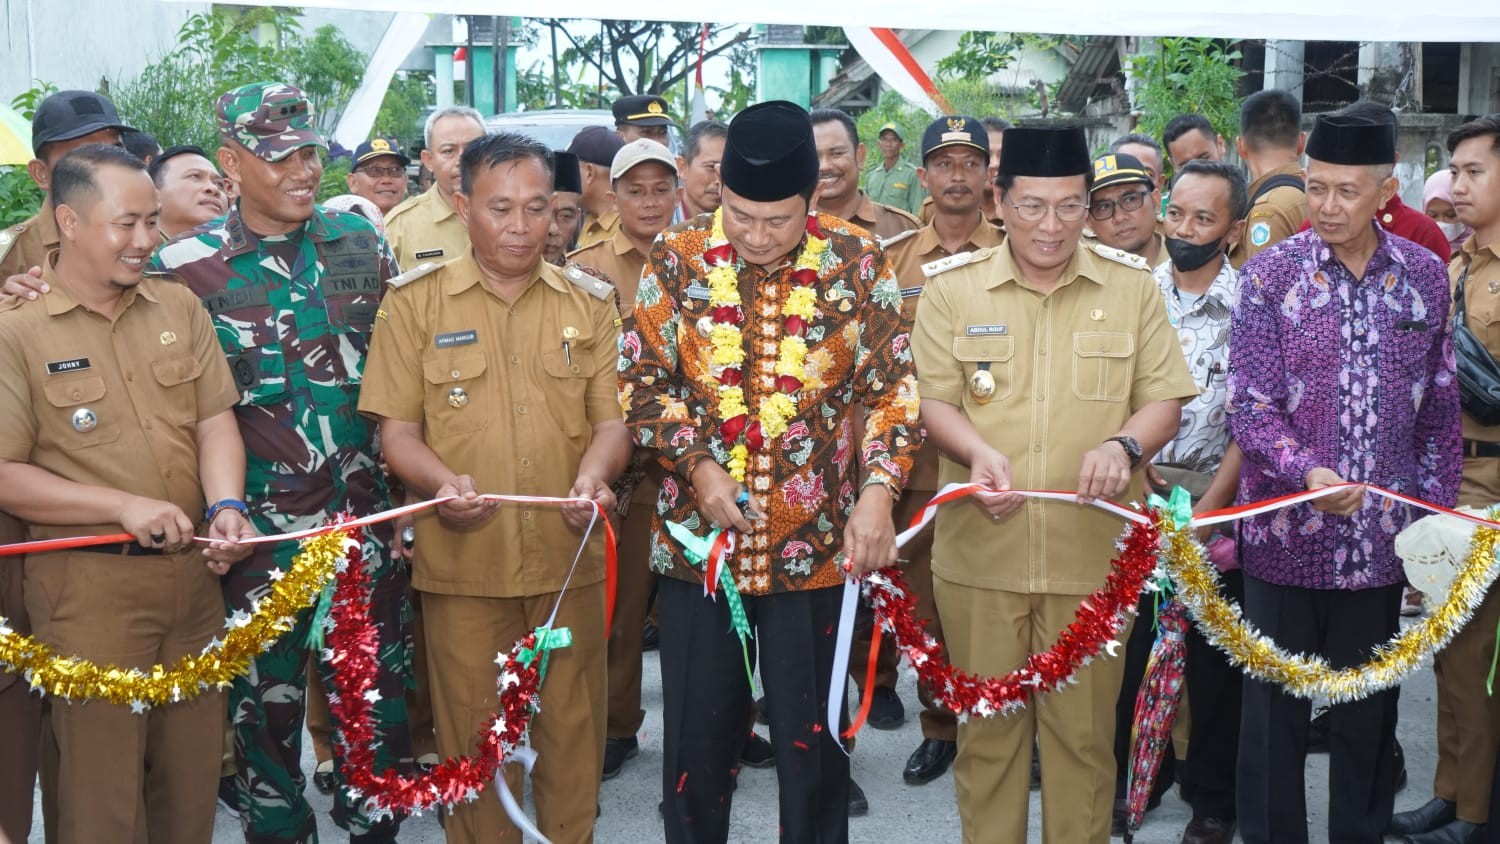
x=641 y=110
x=1119 y=168
x=66 y=115
x=955 y=130
x=596 y=145
x=375 y=148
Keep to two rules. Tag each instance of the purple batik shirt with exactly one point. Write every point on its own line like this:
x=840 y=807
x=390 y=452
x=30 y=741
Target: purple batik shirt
x=1351 y=374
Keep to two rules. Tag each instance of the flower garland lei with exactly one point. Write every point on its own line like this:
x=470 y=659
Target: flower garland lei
x=742 y=434
x=1099 y=619
x=1223 y=625
x=76 y=679
x=354 y=645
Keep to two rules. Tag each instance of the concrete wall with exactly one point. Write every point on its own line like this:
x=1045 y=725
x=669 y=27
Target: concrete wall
x=75 y=43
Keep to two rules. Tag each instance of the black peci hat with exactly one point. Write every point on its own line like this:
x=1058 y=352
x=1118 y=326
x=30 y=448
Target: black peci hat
x=770 y=154
x=1352 y=140
x=565 y=175
x=1046 y=153
x=955 y=130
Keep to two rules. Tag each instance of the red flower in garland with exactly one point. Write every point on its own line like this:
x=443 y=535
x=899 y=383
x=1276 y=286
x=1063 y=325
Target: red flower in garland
x=721 y=254
x=732 y=376
x=795 y=325
x=754 y=438
x=788 y=383
x=730 y=429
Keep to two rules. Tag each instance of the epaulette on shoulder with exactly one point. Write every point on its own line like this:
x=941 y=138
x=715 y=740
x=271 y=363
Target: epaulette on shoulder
x=402 y=207
x=961 y=259
x=1120 y=256
x=8 y=238
x=888 y=242
x=587 y=282
x=423 y=269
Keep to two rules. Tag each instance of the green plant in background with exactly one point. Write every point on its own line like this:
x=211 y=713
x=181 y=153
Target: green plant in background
x=26 y=102
x=328 y=69
x=1186 y=75
x=335 y=179
x=972 y=96
x=400 y=114
x=19 y=196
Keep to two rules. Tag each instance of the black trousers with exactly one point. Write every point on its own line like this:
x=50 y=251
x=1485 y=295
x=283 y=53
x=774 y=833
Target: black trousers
x=706 y=699
x=1137 y=654
x=1343 y=627
x=1214 y=686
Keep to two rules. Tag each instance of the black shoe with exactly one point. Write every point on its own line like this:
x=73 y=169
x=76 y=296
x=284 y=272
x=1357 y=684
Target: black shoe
x=1317 y=731
x=859 y=806
x=1433 y=814
x=650 y=636
x=886 y=710
x=757 y=752
x=383 y=837
x=1208 y=831
x=323 y=778
x=763 y=712
x=929 y=761
x=1457 y=832
x=228 y=799
x=616 y=751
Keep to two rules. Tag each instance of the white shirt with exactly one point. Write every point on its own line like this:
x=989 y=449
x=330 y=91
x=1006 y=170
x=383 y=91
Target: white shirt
x=1202 y=324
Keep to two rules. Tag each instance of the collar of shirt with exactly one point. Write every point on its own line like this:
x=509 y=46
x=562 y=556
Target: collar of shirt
x=865 y=211
x=1221 y=288
x=1385 y=255
x=926 y=240
x=59 y=301
x=240 y=240
x=1083 y=265
x=438 y=207
x=622 y=244
x=1293 y=169
x=462 y=273
x=46 y=226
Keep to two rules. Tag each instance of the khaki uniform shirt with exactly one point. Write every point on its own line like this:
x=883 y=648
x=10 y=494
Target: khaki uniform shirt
x=26 y=245
x=111 y=403
x=425 y=228
x=928 y=209
x=1070 y=367
x=621 y=263
x=883 y=221
x=596 y=229
x=1274 y=217
x=1482 y=313
x=907 y=255
x=502 y=397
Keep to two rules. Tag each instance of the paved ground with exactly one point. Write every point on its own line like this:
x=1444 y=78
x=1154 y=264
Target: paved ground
x=898 y=812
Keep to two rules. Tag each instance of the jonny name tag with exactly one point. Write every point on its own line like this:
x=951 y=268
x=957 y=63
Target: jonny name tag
x=456 y=338
x=56 y=367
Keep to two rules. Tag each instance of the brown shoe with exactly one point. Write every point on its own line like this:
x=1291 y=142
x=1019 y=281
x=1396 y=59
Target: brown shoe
x=1208 y=831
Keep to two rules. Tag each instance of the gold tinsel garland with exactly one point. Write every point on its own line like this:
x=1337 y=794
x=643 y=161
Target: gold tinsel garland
x=75 y=679
x=1305 y=676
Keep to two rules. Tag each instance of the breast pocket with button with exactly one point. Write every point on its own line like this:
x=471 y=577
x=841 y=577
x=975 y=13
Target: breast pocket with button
x=995 y=355
x=175 y=376
x=1103 y=365
x=455 y=401
x=566 y=386
x=79 y=415
x=256 y=358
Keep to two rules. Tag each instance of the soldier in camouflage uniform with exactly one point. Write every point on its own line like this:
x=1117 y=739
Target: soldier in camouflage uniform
x=293 y=291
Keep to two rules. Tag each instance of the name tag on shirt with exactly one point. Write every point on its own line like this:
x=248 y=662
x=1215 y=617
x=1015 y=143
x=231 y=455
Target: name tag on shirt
x=429 y=253
x=985 y=330
x=908 y=292
x=55 y=367
x=456 y=338
x=697 y=291
x=1411 y=325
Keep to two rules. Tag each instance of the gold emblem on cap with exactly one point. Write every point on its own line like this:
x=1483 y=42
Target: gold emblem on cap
x=955 y=124
x=168 y=338
x=1097 y=315
x=84 y=420
x=654 y=107
x=380 y=144
x=982 y=386
x=458 y=397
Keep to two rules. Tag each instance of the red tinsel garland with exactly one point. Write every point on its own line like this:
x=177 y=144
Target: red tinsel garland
x=354 y=645
x=1100 y=618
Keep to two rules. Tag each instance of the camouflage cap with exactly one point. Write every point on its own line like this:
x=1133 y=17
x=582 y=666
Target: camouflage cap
x=271 y=119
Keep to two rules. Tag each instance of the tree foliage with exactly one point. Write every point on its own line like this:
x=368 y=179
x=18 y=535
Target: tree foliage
x=641 y=57
x=973 y=97
x=19 y=196
x=400 y=114
x=1186 y=75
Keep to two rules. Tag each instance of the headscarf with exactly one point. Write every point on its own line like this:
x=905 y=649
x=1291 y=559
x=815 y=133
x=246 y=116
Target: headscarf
x=1440 y=186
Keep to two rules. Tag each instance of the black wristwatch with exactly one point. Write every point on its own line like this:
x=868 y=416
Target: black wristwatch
x=1132 y=448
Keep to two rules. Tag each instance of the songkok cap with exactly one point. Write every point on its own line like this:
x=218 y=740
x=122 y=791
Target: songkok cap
x=1117 y=168
x=596 y=145
x=955 y=130
x=566 y=177
x=642 y=110
x=770 y=153
x=376 y=147
x=1351 y=140
x=271 y=119
x=1047 y=153
x=640 y=151
x=893 y=129
x=66 y=115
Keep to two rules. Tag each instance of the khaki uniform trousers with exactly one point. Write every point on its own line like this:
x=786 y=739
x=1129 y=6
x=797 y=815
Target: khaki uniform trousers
x=1468 y=718
x=463 y=636
x=20 y=710
x=120 y=776
x=632 y=600
x=990 y=632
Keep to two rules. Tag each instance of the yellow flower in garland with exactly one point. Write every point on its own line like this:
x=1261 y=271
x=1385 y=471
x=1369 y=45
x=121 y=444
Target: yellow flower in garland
x=727 y=344
x=76 y=679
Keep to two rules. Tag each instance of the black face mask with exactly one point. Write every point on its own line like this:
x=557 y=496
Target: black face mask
x=1190 y=256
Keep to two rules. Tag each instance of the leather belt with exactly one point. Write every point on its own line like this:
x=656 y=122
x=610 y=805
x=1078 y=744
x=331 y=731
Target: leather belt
x=1476 y=448
x=123 y=549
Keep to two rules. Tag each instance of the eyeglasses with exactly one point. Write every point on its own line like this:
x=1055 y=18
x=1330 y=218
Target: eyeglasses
x=1103 y=209
x=382 y=172
x=1035 y=212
